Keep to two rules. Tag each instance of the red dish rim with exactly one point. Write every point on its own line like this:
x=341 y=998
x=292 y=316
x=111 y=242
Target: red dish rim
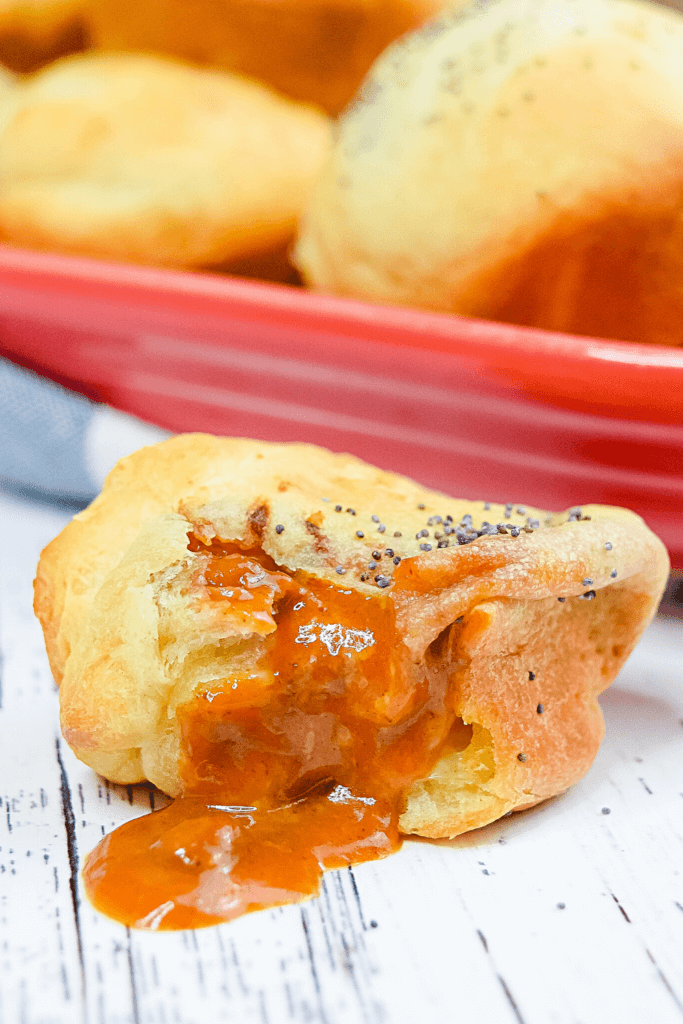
x=614 y=378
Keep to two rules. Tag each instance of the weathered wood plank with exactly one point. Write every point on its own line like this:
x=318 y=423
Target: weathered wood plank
x=40 y=973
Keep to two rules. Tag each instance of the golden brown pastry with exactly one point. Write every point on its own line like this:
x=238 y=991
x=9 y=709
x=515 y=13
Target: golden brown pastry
x=519 y=162
x=151 y=161
x=274 y=630
x=313 y=50
x=35 y=32
x=7 y=83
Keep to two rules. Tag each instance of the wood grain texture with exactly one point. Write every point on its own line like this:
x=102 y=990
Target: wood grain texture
x=571 y=913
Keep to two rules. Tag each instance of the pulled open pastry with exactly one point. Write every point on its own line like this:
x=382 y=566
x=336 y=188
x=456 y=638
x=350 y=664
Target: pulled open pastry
x=315 y=655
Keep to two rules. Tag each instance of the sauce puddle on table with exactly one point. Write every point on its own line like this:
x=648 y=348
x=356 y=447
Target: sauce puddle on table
x=294 y=764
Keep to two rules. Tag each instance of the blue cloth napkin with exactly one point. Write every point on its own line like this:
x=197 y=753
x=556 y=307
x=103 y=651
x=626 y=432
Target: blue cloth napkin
x=56 y=444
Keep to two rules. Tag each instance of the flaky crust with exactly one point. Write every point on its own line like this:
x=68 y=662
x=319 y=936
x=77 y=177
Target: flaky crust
x=152 y=161
x=517 y=161
x=128 y=647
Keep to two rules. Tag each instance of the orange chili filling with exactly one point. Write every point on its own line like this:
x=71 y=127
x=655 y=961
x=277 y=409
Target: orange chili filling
x=298 y=765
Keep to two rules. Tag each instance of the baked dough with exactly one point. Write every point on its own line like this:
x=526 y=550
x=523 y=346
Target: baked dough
x=531 y=617
x=520 y=161
x=316 y=51
x=35 y=32
x=7 y=83
x=150 y=161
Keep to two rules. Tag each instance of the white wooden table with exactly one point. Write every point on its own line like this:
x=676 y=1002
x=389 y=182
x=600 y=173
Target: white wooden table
x=568 y=914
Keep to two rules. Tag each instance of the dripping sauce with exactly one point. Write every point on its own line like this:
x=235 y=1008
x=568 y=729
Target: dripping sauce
x=296 y=765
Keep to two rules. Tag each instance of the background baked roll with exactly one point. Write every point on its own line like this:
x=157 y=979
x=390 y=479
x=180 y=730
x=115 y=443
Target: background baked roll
x=519 y=160
x=316 y=51
x=516 y=617
x=35 y=32
x=146 y=160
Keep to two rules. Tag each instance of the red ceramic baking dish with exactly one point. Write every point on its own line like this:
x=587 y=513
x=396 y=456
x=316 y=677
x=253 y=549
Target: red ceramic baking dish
x=474 y=408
